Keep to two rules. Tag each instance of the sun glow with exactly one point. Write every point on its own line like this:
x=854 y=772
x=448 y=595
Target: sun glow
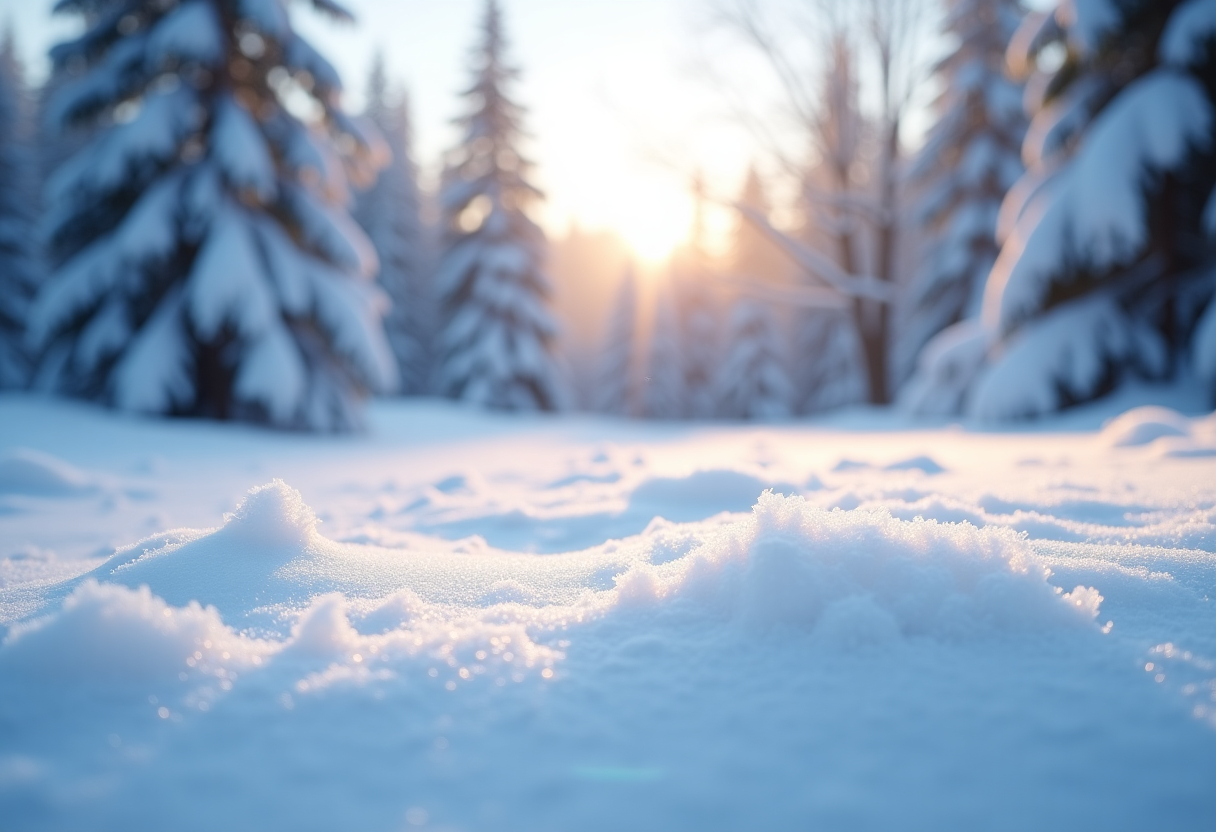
x=653 y=226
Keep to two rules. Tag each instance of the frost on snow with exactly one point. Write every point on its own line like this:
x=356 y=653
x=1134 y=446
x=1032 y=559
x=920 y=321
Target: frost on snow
x=928 y=625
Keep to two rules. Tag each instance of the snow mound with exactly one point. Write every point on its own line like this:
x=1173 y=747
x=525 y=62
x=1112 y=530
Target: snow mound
x=924 y=464
x=33 y=473
x=862 y=577
x=113 y=633
x=272 y=515
x=700 y=494
x=1142 y=425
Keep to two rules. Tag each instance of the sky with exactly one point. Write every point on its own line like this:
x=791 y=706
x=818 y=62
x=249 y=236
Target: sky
x=622 y=108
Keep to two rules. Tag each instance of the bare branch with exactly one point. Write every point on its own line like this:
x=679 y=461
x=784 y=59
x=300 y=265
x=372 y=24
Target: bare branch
x=820 y=266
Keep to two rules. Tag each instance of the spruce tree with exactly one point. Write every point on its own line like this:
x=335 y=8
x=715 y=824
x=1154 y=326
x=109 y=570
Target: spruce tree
x=827 y=355
x=753 y=382
x=699 y=318
x=496 y=345
x=663 y=393
x=616 y=390
x=970 y=160
x=204 y=262
x=391 y=214
x=1107 y=263
x=18 y=203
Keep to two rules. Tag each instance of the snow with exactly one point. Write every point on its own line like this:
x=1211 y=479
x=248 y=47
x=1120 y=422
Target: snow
x=1191 y=26
x=462 y=620
x=1065 y=356
x=23 y=471
x=1094 y=210
x=1142 y=425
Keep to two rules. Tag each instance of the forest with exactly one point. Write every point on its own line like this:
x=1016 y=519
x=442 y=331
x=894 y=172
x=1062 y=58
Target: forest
x=193 y=225
x=536 y=416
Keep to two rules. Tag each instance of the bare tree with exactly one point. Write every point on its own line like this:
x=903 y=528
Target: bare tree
x=850 y=200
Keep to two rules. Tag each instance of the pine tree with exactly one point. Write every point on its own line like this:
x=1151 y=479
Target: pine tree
x=753 y=383
x=1107 y=262
x=204 y=260
x=827 y=359
x=699 y=327
x=391 y=213
x=18 y=199
x=616 y=391
x=663 y=395
x=971 y=158
x=496 y=344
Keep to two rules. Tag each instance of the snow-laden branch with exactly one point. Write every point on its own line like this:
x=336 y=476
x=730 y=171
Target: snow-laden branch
x=819 y=265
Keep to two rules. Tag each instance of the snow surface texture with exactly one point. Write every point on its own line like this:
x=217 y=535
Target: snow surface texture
x=463 y=622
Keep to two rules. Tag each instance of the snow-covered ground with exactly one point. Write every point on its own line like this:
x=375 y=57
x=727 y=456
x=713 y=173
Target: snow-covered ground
x=466 y=621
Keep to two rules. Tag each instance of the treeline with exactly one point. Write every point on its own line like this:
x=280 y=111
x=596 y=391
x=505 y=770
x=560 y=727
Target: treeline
x=190 y=224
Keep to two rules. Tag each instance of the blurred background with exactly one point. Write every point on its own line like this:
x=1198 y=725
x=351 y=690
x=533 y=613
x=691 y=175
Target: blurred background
x=718 y=209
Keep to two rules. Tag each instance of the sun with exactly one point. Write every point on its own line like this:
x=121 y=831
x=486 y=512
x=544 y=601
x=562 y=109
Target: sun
x=653 y=238
x=654 y=225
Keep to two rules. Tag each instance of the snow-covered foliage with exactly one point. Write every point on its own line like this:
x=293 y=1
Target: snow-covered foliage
x=495 y=348
x=663 y=387
x=828 y=362
x=18 y=203
x=391 y=213
x=971 y=158
x=616 y=390
x=1108 y=220
x=946 y=370
x=204 y=260
x=753 y=382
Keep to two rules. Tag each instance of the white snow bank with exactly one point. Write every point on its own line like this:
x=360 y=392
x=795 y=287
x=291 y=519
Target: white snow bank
x=790 y=561
x=700 y=494
x=108 y=632
x=33 y=473
x=863 y=575
x=1142 y=425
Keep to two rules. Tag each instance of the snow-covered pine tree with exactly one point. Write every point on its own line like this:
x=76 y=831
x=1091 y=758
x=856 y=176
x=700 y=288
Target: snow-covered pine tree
x=495 y=348
x=663 y=391
x=753 y=382
x=616 y=390
x=827 y=361
x=204 y=260
x=18 y=202
x=391 y=214
x=1107 y=262
x=970 y=160
x=698 y=314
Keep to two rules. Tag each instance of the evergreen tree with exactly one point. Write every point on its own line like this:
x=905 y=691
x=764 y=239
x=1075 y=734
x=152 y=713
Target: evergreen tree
x=828 y=356
x=1107 y=262
x=616 y=391
x=971 y=158
x=204 y=261
x=496 y=344
x=663 y=396
x=699 y=327
x=753 y=383
x=18 y=200
x=390 y=212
